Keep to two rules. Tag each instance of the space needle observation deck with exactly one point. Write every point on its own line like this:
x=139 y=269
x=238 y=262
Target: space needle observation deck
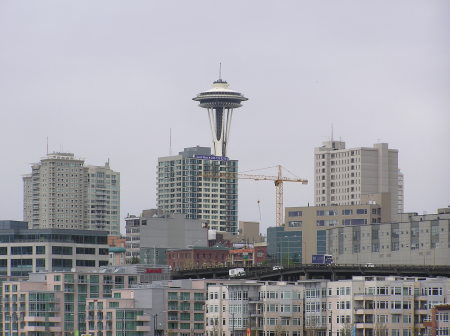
x=220 y=101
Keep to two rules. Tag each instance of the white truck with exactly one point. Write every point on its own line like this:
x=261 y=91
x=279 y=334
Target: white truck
x=236 y=272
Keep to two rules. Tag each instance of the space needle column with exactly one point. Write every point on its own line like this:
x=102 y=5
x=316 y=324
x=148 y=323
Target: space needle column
x=220 y=101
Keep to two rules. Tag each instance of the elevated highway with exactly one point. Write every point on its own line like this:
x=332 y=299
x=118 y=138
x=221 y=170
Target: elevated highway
x=313 y=271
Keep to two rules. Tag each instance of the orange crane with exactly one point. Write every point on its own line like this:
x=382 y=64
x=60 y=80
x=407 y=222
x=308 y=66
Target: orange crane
x=278 y=180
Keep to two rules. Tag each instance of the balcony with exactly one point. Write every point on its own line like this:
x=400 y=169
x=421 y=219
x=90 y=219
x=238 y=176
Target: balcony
x=55 y=329
x=143 y=328
x=34 y=328
x=361 y=311
x=361 y=325
x=143 y=318
x=41 y=319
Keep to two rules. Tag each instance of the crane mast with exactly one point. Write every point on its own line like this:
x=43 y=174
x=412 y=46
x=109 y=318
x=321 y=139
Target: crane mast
x=278 y=181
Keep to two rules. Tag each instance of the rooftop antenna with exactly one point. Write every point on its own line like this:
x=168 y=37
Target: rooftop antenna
x=170 y=141
x=220 y=70
x=47 y=145
x=331 y=132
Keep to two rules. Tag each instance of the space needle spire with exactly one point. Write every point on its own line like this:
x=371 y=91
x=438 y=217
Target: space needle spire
x=220 y=101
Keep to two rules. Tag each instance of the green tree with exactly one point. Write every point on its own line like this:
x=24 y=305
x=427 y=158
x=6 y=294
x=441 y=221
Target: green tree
x=135 y=260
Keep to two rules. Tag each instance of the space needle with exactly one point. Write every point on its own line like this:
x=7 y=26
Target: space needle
x=220 y=101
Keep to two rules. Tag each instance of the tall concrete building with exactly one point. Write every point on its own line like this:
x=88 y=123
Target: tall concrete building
x=61 y=192
x=189 y=183
x=401 y=192
x=103 y=199
x=345 y=176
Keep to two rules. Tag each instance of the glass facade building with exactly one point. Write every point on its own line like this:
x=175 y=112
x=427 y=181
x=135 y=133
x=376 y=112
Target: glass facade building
x=196 y=183
x=284 y=247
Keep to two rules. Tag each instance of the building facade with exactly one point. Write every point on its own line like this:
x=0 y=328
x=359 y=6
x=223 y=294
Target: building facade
x=54 y=304
x=343 y=176
x=190 y=183
x=103 y=199
x=284 y=247
x=133 y=238
x=413 y=240
x=23 y=251
x=61 y=192
x=253 y=255
x=439 y=323
x=249 y=231
x=312 y=222
x=362 y=306
x=196 y=257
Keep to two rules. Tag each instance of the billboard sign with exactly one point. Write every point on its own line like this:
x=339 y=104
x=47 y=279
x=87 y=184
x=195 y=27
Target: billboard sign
x=211 y=157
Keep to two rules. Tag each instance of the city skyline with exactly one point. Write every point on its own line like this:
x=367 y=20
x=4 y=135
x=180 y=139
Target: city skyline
x=103 y=88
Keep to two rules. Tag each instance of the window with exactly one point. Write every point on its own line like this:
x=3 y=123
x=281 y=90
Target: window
x=62 y=250
x=295 y=223
x=113 y=304
x=85 y=250
x=40 y=249
x=40 y=263
x=295 y=213
x=347 y=212
x=18 y=250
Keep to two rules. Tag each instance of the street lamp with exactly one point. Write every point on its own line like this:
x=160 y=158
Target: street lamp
x=232 y=314
x=155 y=323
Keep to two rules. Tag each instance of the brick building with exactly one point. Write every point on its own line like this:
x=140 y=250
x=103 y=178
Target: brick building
x=196 y=257
x=247 y=256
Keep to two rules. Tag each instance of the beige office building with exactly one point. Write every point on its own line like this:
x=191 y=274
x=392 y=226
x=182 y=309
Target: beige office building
x=343 y=176
x=61 y=192
x=313 y=222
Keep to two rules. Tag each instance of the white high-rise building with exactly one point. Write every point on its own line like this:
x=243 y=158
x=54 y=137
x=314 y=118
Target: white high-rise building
x=103 y=199
x=348 y=176
x=61 y=192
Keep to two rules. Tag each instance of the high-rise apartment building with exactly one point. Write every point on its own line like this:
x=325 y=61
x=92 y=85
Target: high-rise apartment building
x=401 y=192
x=345 y=176
x=61 y=192
x=190 y=183
x=103 y=199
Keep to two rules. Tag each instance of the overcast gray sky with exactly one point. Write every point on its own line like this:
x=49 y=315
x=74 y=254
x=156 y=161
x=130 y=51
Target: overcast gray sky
x=108 y=79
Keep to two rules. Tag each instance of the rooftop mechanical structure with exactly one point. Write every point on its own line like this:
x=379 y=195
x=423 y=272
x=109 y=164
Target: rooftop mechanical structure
x=220 y=101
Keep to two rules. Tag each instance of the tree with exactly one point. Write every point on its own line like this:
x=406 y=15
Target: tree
x=135 y=260
x=280 y=330
x=346 y=330
x=380 y=329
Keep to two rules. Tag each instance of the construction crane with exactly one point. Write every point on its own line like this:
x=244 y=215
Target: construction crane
x=278 y=180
